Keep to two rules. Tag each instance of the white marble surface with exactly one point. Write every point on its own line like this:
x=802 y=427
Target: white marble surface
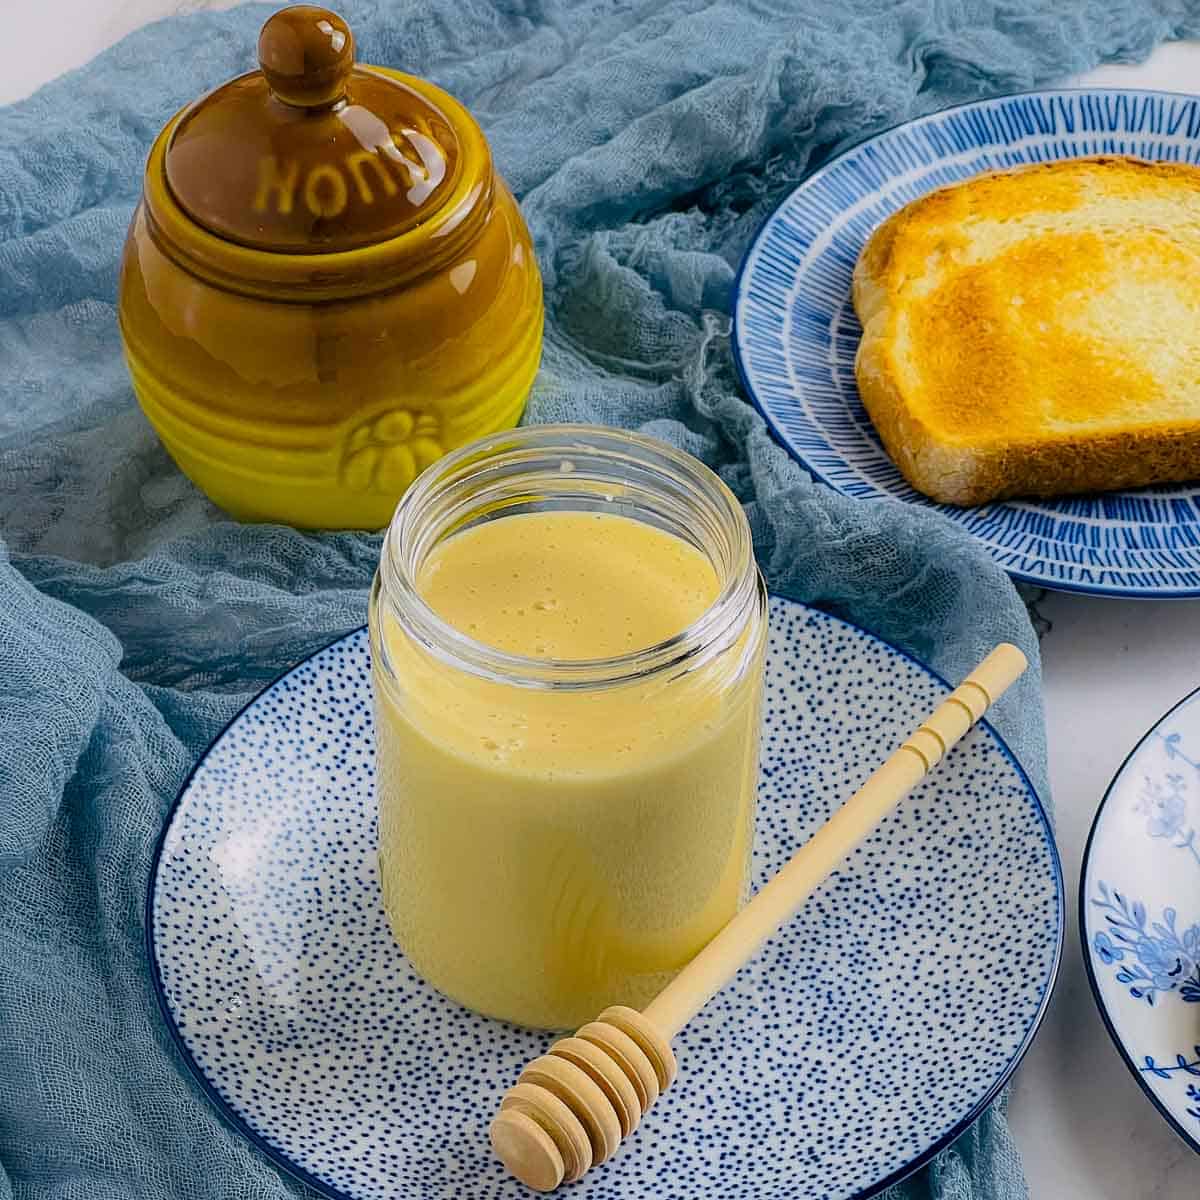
x=1111 y=668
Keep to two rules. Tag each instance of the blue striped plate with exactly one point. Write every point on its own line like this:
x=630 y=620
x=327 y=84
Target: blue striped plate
x=795 y=331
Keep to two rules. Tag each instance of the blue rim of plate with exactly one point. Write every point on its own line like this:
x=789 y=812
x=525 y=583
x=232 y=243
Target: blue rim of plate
x=1190 y=1139
x=950 y=511
x=280 y=1160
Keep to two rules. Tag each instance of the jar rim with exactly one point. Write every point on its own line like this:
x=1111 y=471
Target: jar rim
x=715 y=630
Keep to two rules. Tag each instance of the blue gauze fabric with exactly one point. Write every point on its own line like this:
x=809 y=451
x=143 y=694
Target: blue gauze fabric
x=647 y=140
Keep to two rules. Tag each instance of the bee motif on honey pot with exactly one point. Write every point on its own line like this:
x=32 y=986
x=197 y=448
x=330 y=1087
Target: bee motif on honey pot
x=387 y=454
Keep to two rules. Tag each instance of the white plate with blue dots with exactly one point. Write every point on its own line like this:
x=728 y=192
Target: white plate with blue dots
x=1139 y=913
x=862 y=1040
x=796 y=333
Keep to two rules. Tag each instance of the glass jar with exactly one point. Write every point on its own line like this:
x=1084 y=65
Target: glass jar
x=540 y=891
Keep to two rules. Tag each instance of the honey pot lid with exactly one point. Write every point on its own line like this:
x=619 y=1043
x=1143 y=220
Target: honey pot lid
x=311 y=153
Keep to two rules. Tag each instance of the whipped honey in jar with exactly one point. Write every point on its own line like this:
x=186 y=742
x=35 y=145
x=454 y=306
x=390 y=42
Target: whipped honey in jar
x=568 y=631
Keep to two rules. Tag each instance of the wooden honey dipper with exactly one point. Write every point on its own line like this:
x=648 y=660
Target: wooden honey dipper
x=572 y=1107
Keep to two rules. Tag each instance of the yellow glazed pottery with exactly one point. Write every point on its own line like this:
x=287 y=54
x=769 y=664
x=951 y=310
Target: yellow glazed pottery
x=326 y=285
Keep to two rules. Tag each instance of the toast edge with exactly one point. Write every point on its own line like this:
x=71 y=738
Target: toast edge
x=942 y=472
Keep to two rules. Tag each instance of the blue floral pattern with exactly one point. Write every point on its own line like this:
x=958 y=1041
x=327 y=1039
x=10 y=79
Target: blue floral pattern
x=1151 y=958
x=1139 y=918
x=1164 y=802
x=1188 y=1067
x=1164 y=805
x=1181 y=1064
x=1162 y=1071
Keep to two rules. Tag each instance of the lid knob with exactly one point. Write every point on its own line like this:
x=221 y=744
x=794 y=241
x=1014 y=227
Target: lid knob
x=306 y=54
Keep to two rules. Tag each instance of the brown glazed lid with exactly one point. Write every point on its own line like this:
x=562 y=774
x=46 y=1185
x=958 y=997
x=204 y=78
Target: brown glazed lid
x=312 y=154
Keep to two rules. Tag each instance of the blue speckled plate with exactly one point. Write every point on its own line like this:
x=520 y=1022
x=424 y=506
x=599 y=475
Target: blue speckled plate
x=796 y=333
x=863 y=1039
x=1139 y=910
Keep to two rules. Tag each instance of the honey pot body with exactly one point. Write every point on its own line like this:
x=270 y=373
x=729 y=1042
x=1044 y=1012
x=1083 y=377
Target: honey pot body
x=320 y=413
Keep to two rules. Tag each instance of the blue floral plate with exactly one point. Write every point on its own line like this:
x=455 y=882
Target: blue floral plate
x=867 y=1036
x=1139 y=913
x=796 y=333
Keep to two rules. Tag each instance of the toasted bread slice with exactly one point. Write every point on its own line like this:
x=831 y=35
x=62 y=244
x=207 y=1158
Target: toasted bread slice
x=1037 y=332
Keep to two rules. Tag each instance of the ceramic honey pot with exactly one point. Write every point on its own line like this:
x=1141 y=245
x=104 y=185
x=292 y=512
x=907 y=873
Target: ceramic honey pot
x=326 y=285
